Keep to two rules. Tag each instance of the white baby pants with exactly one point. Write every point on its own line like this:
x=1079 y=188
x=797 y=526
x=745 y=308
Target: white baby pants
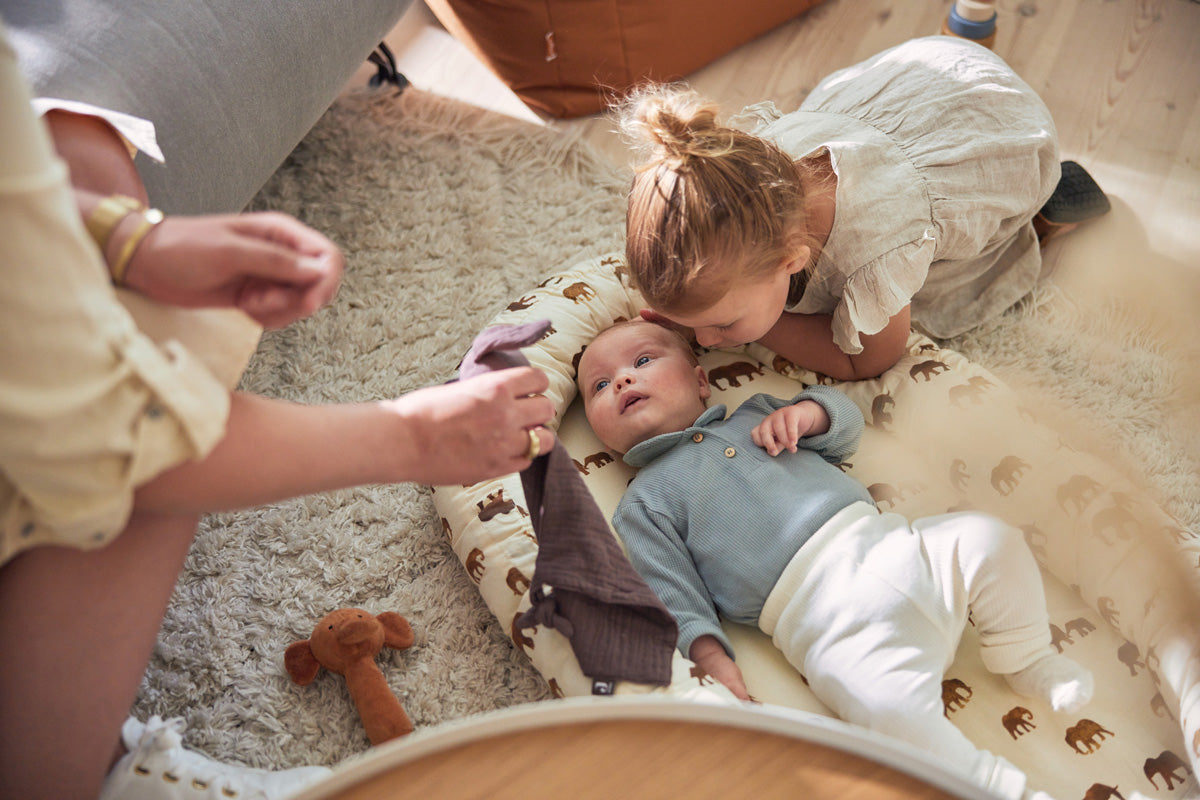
x=872 y=608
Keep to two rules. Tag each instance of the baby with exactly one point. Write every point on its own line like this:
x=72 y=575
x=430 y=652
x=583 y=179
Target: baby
x=750 y=518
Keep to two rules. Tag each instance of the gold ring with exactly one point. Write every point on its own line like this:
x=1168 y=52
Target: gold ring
x=535 y=445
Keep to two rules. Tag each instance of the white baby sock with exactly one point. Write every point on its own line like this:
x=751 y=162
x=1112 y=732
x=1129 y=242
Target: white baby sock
x=1063 y=683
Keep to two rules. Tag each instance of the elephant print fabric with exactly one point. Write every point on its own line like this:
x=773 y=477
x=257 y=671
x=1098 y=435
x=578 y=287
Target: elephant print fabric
x=942 y=434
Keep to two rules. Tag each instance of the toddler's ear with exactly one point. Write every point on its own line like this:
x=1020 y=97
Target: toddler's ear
x=799 y=260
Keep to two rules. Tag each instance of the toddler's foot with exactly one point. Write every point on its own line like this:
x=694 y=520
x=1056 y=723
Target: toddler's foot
x=1076 y=198
x=1065 y=684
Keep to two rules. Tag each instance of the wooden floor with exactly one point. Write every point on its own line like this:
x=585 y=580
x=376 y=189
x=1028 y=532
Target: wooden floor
x=1122 y=78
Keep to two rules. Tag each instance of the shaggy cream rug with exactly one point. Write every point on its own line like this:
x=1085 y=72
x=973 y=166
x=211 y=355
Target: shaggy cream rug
x=446 y=214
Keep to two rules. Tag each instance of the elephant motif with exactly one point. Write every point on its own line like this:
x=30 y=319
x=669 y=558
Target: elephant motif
x=1080 y=626
x=881 y=410
x=732 y=372
x=522 y=303
x=885 y=493
x=955 y=695
x=1007 y=474
x=1129 y=655
x=971 y=391
x=1098 y=791
x=1018 y=721
x=497 y=504
x=517 y=581
x=474 y=564
x=1107 y=610
x=783 y=366
x=579 y=292
x=1166 y=766
x=597 y=460
x=1119 y=520
x=1058 y=637
x=958 y=474
x=1158 y=704
x=519 y=638
x=930 y=369
x=1036 y=538
x=1088 y=733
x=1078 y=491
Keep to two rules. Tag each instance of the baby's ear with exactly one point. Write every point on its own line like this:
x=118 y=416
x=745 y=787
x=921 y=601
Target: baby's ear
x=702 y=381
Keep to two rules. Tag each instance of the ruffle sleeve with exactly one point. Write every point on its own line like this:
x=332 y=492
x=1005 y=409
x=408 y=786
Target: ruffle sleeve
x=878 y=290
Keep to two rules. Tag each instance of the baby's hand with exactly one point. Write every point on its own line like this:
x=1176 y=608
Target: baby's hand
x=712 y=658
x=783 y=428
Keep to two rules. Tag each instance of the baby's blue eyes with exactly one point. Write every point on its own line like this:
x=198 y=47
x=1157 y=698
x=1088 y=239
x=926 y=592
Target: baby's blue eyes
x=600 y=385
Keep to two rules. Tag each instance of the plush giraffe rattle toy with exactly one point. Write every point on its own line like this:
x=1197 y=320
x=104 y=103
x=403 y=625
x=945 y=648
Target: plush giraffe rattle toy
x=346 y=641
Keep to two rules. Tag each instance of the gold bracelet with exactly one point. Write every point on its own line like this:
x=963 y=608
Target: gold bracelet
x=107 y=214
x=150 y=218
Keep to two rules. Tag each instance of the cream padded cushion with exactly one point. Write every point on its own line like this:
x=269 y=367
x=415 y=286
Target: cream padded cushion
x=942 y=433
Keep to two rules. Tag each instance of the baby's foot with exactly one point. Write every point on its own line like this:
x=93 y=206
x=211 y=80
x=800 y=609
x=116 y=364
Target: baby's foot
x=1065 y=684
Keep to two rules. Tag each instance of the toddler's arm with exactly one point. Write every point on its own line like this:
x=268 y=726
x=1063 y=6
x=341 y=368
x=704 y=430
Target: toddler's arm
x=711 y=657
x=807 y=341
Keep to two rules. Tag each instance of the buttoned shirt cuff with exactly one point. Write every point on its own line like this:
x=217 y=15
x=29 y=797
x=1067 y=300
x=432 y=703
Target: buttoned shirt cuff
x=138 y=133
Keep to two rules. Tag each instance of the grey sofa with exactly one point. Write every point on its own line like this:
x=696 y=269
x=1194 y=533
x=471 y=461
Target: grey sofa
x=231 y=85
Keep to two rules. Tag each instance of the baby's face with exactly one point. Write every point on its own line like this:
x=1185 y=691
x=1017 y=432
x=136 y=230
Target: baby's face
x=637 y=381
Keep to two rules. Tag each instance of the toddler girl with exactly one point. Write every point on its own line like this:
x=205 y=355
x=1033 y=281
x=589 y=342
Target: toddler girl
x=902 y=192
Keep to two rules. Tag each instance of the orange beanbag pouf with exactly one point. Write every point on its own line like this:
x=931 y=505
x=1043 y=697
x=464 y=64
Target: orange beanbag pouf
x=569 y=58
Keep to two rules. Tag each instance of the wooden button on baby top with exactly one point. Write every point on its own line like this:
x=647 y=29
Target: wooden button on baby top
x=730 y=452
x=697 y=437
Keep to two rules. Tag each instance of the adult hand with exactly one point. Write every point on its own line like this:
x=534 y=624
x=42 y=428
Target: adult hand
x=270 y=265
x=478 y=428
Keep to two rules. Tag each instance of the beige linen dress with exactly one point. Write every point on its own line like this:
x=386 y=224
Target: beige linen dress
x=943 y=156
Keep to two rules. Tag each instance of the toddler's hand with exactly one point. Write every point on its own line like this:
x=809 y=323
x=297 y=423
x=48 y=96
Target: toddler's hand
x=783 y=428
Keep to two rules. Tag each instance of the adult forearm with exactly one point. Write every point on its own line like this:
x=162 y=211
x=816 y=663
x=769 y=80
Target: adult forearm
x=97 y=157
x=274 y=449
x=460 y=432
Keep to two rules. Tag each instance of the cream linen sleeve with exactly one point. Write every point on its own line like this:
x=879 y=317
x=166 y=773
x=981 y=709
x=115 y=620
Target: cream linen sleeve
x=90 y=407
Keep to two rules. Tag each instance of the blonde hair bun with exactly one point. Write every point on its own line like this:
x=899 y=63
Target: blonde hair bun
x=672 y=123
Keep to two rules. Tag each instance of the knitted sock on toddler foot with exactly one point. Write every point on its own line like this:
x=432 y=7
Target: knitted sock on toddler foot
x=1076 y=198
x=1065 y=684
